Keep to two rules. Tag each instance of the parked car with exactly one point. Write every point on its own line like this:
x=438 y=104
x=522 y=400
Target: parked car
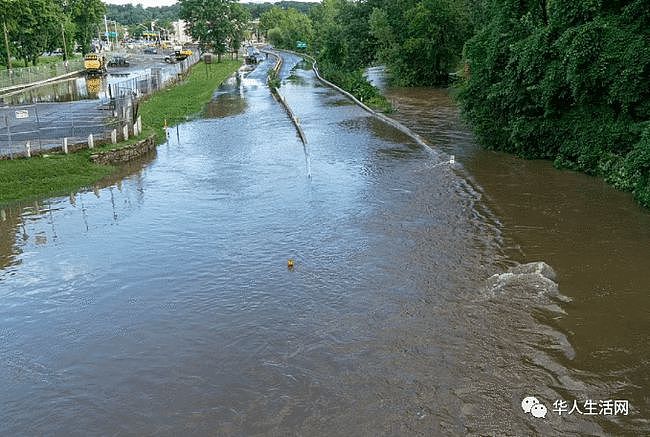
x=150 y=51
x=118 y=61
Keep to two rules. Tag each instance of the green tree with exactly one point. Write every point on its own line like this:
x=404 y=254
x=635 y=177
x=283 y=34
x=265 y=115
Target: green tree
x=86 y=15
x=420 y=41
x=239 y=18
x=209 y=22
x=31 y=25
x=289 y=26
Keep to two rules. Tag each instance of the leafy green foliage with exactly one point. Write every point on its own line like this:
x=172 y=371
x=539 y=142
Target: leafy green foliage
x=343 y=45
x=356 y=84
x=285 y=27
x=257 y=9
x=86 y=15
x=342 y=32
x=215 y=24
x=130 y=14
x=273 y=80
x=36 y=26
x=567 y=81
x=420 y=41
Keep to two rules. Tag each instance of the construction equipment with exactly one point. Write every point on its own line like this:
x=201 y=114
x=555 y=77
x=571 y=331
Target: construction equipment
x=94 y=64
x=179 y=54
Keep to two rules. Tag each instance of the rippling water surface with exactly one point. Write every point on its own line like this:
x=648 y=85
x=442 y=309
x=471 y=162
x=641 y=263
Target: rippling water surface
x=160 y=302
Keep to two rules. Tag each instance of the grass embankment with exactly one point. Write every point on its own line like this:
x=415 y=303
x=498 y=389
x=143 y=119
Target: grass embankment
x=358 y=85
x=352 y=81
x=25 y=179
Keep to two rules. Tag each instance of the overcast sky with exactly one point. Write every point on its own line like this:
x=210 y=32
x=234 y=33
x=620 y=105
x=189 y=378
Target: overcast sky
x=146 y=3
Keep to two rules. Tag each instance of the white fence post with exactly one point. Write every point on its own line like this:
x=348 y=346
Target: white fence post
x=114 y=136
x=91 y=141
x=65 y=146
x=125 y=132
x=139 y=121
x=28 y=148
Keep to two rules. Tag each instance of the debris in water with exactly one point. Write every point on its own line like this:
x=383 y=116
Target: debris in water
x=537 y=276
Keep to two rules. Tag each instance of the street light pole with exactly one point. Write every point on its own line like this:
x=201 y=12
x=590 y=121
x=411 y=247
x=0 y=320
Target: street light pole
x=108 y=39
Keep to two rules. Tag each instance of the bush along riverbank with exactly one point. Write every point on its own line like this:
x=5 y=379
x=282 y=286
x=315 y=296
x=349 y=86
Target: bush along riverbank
x=336 y=35
x=55 y=174
x=569 y=83
x=354 y=82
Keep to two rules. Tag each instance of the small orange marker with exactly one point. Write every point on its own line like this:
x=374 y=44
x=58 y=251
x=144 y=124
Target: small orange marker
x=290 y=264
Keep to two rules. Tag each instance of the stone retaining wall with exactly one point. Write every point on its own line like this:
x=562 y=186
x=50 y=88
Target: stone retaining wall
x=126 y=153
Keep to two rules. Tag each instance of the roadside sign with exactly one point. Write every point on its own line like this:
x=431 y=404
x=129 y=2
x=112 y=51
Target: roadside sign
x=301 y=45
x=22 y=113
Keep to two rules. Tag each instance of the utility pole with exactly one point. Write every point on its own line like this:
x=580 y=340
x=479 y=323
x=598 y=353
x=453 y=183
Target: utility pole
x=7 y=45
x=65 y=48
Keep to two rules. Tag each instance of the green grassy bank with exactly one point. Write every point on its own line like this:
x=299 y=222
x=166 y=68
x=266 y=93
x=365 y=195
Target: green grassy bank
x=357 y=84
x=25 y=179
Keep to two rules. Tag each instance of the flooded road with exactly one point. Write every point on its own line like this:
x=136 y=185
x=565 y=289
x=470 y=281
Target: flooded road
x=83 y=87
x=161 y=303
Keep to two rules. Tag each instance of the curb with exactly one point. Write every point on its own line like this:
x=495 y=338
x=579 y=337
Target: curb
x=394 y=123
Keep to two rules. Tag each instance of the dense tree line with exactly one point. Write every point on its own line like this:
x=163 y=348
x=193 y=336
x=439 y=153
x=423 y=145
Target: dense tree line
x=567 y=81
x=130 y=15
x=257 y=9
x=285 y=27
x=36 y=26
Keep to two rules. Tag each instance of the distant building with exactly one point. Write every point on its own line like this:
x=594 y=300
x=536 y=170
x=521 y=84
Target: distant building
x=180 y=34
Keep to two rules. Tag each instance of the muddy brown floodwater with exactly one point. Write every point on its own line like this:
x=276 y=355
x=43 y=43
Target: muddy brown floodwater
x=160 y=303
x=596 y=238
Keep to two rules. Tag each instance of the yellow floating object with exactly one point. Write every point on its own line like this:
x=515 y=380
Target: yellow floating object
x=290 y=263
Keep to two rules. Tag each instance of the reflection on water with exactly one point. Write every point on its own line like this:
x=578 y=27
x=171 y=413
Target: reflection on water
x=78 y=88
x=230 y=99
x=15 y=220
x=162 y=304
x=84 y=87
